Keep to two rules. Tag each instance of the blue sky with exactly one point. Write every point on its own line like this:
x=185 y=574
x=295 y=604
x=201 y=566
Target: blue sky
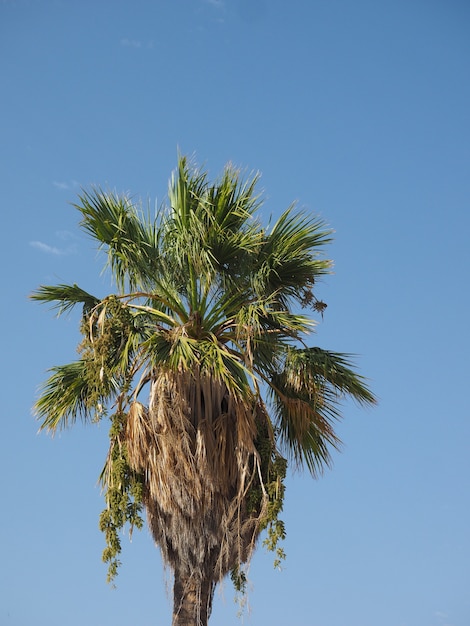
x=358 y=110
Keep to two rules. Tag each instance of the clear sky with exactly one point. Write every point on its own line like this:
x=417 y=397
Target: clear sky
x=358 y=110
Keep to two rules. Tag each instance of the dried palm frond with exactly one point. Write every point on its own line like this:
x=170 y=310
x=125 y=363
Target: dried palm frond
x=195 y=446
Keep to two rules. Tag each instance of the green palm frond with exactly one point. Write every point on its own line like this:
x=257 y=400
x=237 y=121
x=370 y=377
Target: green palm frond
x=157 y=349
x=210 y=231
x=289 y=260
x=226 y=366
x=130 y=239
x=65 y=297
x=235 y=200
x=305 y=429
x=304 y=368
x=306 y=395
x=233 y=233
x=186 y=192
x=66 y=396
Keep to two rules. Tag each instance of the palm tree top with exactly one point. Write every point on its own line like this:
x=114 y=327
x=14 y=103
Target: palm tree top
x=210 y=310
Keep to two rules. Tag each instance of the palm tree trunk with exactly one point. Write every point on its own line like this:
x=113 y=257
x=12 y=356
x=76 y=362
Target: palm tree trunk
x=192 y=600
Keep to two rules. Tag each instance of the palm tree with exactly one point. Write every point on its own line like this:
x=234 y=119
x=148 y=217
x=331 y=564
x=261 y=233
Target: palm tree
x=199 y=361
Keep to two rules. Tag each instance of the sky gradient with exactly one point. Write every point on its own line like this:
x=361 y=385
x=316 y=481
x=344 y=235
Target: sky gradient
x=359 y=111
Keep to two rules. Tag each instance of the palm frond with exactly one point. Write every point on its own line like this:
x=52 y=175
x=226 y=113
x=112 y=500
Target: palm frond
x=65 y=297
x=304 y=429
x=289 y=260
x=65 y=397
x=306 y=395
x=210 y=232
x=234 y=199
x=130 y=239
x=233 y=235
x=186 y=190
x=310 y=366
x=225 y=365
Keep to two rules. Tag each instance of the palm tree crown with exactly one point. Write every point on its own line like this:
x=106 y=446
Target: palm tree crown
x=201 y=364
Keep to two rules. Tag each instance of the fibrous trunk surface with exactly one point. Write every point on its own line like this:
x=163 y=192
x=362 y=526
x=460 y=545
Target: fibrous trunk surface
x=192 y=600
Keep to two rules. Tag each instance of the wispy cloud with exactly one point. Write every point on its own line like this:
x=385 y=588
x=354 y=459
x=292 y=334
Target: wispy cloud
x=443 y=617
x=136 y=43
x=64 y=235
x=131 y=43
x=215 y=9
x=60 y=185
x=65 y=185
x=44 y=247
